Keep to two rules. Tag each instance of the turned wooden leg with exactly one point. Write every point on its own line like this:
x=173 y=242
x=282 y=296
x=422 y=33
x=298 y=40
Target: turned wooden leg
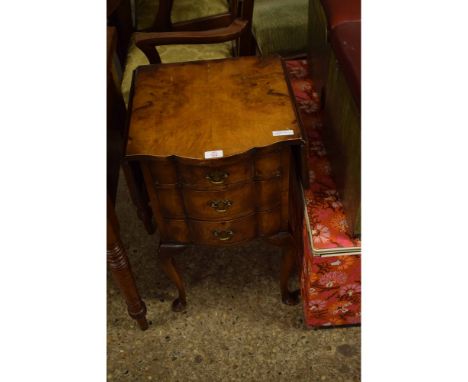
x=122 y=274
x=286 y=242
x=170 y=269
x=136 y=187
x=123 y=277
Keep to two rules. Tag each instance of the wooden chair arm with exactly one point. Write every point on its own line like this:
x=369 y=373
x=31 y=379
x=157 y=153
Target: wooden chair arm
x=146 y=41
x=204 y=23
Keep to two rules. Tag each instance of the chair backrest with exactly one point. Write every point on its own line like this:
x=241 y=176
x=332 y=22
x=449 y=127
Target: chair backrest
x=157 y=15
x=232 y=25
x=119 y=15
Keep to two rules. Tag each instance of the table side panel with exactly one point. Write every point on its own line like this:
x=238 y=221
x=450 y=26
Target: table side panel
x=163 y=171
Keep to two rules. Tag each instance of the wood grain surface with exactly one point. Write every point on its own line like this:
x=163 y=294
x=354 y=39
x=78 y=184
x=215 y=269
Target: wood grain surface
x=232 y=105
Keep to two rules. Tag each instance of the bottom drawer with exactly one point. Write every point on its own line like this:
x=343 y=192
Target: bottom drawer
x=224 y=233
x=227 y=232
x=269 y=222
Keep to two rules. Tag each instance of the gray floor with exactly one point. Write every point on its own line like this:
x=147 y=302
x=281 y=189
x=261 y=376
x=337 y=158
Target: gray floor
x=234 y=328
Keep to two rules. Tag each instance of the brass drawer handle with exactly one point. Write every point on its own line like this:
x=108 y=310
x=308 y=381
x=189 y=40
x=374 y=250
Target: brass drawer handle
x=217 y=176
x=223 y=235
x=220 y=205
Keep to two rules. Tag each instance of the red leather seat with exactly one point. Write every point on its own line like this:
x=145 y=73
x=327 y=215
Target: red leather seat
x=341 y=11
x=345 y=40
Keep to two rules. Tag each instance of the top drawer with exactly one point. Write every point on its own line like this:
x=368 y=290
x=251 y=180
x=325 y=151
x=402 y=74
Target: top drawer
x=217 y=174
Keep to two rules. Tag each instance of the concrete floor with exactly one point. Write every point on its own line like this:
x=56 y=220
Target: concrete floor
x=234 y=328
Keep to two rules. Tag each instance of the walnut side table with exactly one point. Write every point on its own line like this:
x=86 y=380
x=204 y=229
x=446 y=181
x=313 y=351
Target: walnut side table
x=216 y=142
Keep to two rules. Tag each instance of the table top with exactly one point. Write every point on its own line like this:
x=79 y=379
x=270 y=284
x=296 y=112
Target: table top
x=189 y=109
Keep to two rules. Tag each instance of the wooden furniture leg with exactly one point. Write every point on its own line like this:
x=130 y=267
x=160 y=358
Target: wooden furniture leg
x=286 y=242
x=170 y=269
x=247 y=41
x=122 y=274
x=135 y=183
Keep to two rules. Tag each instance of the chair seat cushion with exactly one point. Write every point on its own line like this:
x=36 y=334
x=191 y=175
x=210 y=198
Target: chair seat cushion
x=341 y=11
x=345 y=40
x=280 y=26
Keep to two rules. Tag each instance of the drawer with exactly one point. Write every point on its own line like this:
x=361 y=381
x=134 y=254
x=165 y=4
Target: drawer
x=267 y=193
x=217 y=175
x=224 y=233
x=237 y=200
x=268 y=163
x=269 y=222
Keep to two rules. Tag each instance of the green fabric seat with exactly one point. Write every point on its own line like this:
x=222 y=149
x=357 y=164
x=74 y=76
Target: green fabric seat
x=280 y=26
x=182 y=10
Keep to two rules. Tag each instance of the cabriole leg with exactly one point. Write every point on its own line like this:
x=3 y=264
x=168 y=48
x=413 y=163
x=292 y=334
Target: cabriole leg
x=286 y=242
x=170 y=269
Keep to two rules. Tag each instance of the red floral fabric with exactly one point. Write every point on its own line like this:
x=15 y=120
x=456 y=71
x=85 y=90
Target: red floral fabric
x=330 y=288
x=331 y=269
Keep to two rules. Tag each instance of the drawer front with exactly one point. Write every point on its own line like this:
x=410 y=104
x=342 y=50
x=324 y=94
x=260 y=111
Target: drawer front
x=216 y=176
x=269 y=222
x=267 y=194
x=225 y=232
x=237 y=200
x=268 y=164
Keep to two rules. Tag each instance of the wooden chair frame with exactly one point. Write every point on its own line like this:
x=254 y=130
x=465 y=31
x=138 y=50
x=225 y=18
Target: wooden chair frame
x=232 y=25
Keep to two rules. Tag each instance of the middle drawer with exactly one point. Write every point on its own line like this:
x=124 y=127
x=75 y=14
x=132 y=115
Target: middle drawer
x=238 y=200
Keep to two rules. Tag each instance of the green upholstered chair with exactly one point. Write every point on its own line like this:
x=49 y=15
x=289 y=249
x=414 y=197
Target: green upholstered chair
x=280 y=26
x=209 y=14
x=182 y=10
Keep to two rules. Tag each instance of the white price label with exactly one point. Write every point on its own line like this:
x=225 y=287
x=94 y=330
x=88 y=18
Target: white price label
x=278 y=133
x=214 y=154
